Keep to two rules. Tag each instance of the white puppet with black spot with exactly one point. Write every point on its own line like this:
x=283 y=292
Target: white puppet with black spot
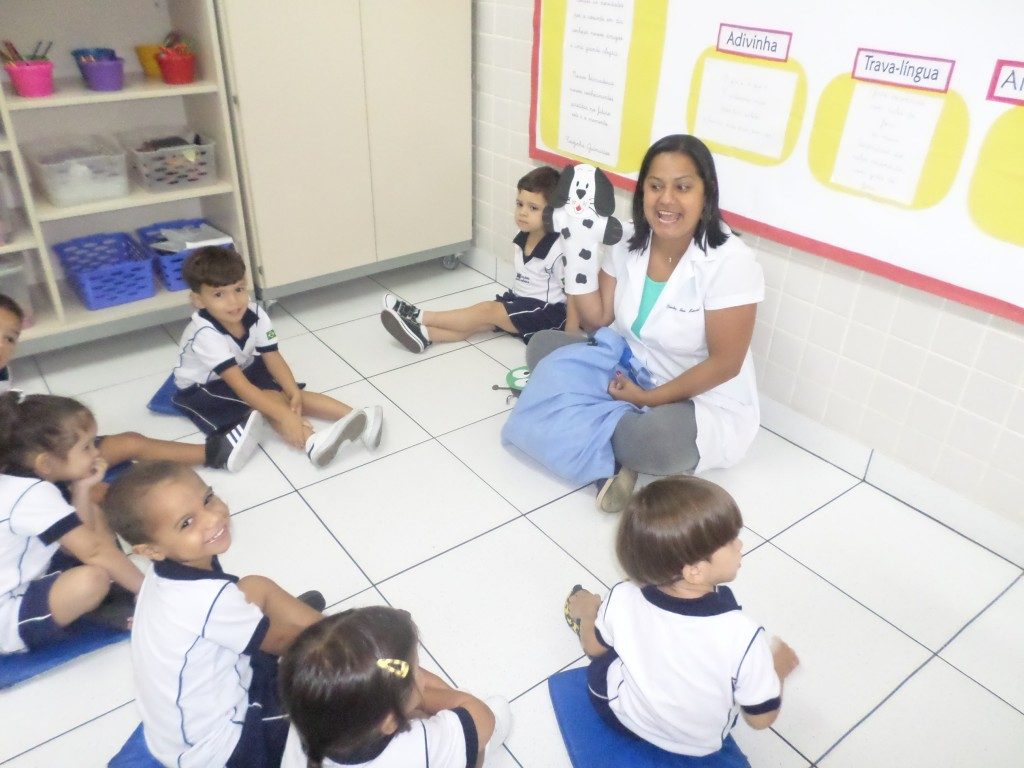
x=581 y=211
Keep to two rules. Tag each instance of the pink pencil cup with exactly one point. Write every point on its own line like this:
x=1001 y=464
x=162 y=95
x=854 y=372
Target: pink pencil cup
x=31 y=78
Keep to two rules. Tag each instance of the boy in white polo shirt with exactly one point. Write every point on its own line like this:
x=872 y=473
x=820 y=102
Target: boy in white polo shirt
x=203 y=641
x=674 y=660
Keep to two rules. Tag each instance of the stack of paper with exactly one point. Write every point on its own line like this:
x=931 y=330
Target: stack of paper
x=190 y=237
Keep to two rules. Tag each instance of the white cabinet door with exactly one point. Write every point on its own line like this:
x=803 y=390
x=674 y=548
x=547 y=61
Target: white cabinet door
x=419 y=104
x=296 y=69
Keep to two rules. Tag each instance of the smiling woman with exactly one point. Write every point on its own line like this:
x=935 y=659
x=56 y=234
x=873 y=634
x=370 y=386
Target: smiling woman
x=682 y=289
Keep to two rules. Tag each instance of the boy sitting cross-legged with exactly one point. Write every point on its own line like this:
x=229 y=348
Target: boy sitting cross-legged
x=202 y=640
x=230 y=371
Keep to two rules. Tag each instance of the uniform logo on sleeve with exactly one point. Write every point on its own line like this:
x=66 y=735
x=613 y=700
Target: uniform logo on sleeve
x=271 y=335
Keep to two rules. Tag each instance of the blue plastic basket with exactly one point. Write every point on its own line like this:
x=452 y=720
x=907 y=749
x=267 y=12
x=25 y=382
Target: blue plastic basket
x=107 y=269
x=168 y=265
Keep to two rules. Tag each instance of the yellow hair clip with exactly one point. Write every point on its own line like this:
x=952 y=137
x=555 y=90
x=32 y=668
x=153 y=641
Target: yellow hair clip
x=396 y=667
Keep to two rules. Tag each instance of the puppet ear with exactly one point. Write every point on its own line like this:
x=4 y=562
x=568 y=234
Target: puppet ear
x=604 y=195
x=561 y=194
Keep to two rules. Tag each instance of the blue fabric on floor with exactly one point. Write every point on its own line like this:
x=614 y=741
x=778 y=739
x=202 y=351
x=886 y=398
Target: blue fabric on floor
x=83 y=638
x=134 y=753
x=161 y=401
x=593 y=744
x=116 y=471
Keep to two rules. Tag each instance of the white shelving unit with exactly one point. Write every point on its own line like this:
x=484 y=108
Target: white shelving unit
x=74 y=110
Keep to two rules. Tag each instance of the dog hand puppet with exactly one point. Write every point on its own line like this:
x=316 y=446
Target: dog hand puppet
x=581 y=211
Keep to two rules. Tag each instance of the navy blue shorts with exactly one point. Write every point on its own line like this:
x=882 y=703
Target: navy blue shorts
x=265 y=729
x=36 y=626
x=214 y=406
x=532 y=315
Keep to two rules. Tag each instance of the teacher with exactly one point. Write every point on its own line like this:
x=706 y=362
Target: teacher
x=682 y=289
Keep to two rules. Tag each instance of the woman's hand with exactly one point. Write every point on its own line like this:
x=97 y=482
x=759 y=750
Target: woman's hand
x=622 y=388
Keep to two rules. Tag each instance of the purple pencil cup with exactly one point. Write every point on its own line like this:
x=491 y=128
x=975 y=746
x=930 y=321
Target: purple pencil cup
x=104 y=74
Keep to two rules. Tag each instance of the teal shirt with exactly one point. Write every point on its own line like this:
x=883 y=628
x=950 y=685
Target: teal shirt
x=652 y=290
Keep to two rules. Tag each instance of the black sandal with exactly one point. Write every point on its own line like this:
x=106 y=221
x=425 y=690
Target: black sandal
x=574 y=624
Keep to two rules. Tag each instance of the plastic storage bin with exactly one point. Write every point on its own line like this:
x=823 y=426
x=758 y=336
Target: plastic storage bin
x=170 y=158
x=168 y=265
x=107 y=269
x=74 y=171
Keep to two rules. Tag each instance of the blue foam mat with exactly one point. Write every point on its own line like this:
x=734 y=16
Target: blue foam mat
x=161 y=401
x=83 y=637
x=134 y=753
x=592 y=744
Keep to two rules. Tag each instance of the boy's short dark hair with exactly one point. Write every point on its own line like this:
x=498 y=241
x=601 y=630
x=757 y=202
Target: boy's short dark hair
x=10 y=305
x=125 y=503
x=214 y=265
x=541 y=180
x=673 y=522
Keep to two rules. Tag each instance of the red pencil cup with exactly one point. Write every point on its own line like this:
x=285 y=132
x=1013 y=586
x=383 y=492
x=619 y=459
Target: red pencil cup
x=177 y=68
x=31 y=78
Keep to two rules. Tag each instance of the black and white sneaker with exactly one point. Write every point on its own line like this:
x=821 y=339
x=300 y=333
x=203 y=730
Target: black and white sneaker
x=408 y=333
x=231 y=449
x=403 y=308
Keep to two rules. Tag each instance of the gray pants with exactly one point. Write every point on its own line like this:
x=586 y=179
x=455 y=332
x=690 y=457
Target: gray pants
x=659 y=441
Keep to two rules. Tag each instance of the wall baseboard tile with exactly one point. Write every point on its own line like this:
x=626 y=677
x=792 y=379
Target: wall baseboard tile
x=833 y=447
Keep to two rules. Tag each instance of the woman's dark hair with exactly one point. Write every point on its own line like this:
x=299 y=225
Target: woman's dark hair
x=39 y=423
x=674 y=522
x=333 y=689
x=709 y=229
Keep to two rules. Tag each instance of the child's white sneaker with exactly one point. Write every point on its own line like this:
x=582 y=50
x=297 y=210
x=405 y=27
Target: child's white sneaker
x=322 y=446
x=374 y=423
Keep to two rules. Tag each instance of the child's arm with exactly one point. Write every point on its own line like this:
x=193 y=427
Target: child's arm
x=785 y=661
x=572 y=316
x=288 y=616
x=438 y=696
x=97 y=549
x=283 y=375
x=584 y=606
x=268 y=403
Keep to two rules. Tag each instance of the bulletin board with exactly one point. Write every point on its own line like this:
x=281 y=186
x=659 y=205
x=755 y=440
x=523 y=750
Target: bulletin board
x=885 y=135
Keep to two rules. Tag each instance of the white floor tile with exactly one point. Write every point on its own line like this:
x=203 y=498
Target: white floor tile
x=257 y=482
x=25 y=376
x=939 y=719
x=490 y=611
x=57 y=701
x=993 y=645
x=865 y=542
x=507 y=350
x=285 y=325
x=284 y=541
x=122 y=408
x=371 y=350
x=509 y=471
x=500 y=758
x=536 y=740
x=463 y=299
x=333 y=304
x=97 y=364
x=799 y=483
x=88 y=746
x=314 y=363
x=429 y=280
x=849 y=658
x=432 y=503
x=766 y=749
x=399 y=432
x=447 y=392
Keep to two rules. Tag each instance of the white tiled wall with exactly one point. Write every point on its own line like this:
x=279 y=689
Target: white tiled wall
x=935 y=385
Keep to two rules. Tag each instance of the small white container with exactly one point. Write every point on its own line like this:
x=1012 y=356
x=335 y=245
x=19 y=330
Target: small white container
x=74 y=171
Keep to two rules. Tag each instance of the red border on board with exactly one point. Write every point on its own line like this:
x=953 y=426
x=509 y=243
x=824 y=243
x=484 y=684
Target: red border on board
x=945 y=89
x=1000 y=63
x=850 y=258
x=719 y=48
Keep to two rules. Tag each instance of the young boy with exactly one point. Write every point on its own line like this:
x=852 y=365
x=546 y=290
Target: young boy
x=231 y=373
x=538 y=301
x=228 y=448
x=203 y=641
x=674 y=660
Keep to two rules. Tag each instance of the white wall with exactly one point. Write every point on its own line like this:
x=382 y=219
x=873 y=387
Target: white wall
x=935 y=385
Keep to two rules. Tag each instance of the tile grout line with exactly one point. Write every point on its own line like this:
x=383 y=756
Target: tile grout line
x=809 y=451
x=69 y=730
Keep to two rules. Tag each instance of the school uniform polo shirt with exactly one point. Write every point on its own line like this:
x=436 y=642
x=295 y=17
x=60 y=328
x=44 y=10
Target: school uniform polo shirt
x=192 y=637
x=684 y=666
x=208 y=349
x=34 y=515
x=445 y=740
x=541 y=276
